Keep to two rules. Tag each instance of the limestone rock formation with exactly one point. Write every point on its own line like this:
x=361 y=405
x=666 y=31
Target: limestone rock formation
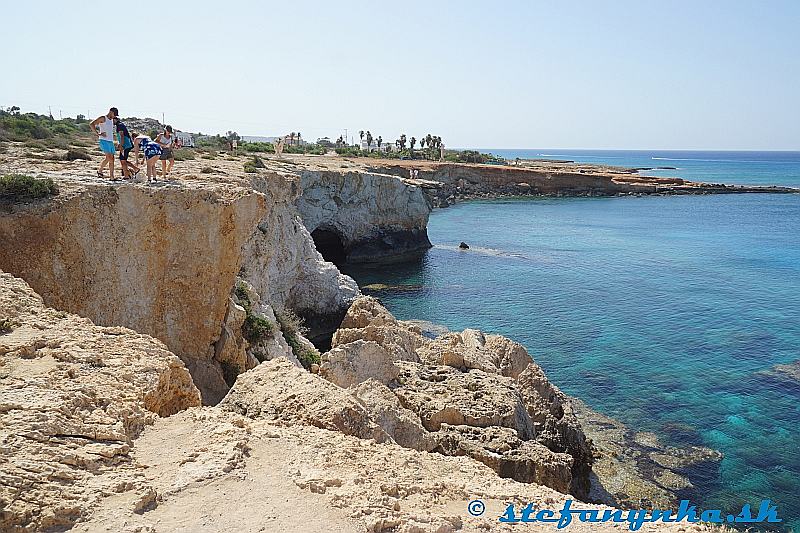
x=73 y=397
x=471 y=349
x=368 y=320
x=227 y=472
x=403 y=425
x=444 y=395
x=360 y=361
x=508 y=455
x=373 y=216
x=163 y=261
x=470 y=394
x=278 y=391
x=281 y=263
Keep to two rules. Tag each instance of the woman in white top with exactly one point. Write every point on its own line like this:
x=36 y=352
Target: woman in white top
x=167 y=141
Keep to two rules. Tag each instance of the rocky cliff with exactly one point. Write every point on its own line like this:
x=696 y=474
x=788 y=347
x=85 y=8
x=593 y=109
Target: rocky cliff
x=101 y=430
x=164 y=260
x=358 y=216
x=393 y=431
x=446 y=182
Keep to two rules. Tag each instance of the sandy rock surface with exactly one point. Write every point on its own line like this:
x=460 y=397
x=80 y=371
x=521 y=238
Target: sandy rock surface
x=73 y=397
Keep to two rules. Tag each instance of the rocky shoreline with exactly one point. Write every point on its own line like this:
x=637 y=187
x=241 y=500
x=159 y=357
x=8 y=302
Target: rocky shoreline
x=140 y=303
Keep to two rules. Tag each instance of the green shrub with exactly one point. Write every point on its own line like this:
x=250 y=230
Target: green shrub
x=16 y=126
x=6 y=326
x=258 y=147
x=255 y=327
x=76 y=153
x=292 y=327
x=183 y=154
x=21 y=187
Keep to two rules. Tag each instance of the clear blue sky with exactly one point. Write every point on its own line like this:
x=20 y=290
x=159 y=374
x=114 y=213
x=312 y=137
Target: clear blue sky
x=625 y=74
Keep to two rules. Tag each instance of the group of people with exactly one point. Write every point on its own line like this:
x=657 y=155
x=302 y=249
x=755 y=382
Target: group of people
x=114 y=138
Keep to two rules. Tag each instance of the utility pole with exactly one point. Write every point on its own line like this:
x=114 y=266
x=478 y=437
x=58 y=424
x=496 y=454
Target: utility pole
x=60 y=117
x=162 y=117
x=50 y=111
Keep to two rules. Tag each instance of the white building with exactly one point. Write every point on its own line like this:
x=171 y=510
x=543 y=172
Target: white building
x=186 y=139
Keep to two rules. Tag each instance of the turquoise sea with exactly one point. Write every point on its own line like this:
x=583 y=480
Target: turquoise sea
x=663 y=312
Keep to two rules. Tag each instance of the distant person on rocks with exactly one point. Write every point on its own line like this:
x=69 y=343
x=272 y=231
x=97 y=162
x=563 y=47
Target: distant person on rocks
x=152 y=152
x=103 y=126
x=129 y=169
x=167 y=141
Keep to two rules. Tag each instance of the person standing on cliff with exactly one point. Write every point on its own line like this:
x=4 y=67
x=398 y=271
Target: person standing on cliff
x=167 y=141
x=103 y=127
x=129 y=170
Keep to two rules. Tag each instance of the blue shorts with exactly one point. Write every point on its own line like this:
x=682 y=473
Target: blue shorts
x=152 y=149
x=107 y=147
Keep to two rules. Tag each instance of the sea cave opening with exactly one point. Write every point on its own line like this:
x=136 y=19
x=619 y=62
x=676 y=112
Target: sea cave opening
x=330 y=245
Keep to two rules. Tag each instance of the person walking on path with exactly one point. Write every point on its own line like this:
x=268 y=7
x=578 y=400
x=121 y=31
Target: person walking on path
x=125 y=147
x=103 y=126
x=166 y=140
x=152 y=151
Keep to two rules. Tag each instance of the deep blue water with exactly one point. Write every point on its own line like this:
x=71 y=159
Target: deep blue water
x=741 y=168
x=662 y=312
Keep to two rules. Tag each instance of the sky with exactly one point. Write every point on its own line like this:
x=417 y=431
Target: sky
x=700 y=74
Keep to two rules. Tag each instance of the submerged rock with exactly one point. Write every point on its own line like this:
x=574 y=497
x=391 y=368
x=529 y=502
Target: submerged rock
x=463 y=246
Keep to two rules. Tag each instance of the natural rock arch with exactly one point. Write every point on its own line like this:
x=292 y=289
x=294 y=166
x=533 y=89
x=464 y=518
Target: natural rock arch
x=330 y=245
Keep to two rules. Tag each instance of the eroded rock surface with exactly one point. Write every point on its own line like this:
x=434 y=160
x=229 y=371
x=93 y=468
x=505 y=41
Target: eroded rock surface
x=471 y=394
x=374 y=216
x=73 y=397
x=163 y=260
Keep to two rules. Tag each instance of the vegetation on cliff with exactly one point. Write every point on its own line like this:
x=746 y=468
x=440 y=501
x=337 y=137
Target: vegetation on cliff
x=255 y=327
x=293 y=328
x=17 y=126
x=16 y=187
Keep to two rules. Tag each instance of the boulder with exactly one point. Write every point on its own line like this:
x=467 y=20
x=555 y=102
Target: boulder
x=366 y=311
x=354 y=362
x=472 y=349
x=368 y=320
x=500 y=449
x=398 y=422
x=444 y=395
x=278 y=391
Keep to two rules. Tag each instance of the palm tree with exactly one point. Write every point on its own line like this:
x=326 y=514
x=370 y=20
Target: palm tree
x=422 y=143
x=403 y=141
x=380 y=141
x=361 y=134
x=413 y=142
x=429 y=140
x=369 y=140
x=298 y=137
x=291 y=138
